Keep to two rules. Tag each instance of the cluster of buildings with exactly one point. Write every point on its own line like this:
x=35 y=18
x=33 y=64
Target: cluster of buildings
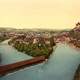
x=72 y=36
x=44 y=37
x=34 y=38
x=75 y=35
x=62 y=37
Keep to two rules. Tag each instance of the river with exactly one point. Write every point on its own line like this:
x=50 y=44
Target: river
x=10 y=55
x=61 y=65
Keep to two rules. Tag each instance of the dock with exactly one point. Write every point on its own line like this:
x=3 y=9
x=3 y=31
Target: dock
x=5 y=69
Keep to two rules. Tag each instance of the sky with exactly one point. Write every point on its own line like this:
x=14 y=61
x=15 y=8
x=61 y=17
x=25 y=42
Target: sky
x=53 y=14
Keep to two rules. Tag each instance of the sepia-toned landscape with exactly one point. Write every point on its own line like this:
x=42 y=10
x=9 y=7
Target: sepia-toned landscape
x=39 y=40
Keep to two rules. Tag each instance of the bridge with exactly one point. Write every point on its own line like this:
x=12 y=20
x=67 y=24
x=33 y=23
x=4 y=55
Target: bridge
x=4 y=69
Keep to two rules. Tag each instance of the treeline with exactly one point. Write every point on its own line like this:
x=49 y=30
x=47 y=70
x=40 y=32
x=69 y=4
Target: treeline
x=3 y=37
x=34 y=49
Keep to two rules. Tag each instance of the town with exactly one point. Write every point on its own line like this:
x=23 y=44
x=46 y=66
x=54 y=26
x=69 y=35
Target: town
x=40 y=42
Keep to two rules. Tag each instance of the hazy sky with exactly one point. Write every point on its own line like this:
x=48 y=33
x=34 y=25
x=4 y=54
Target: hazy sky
x=55 y=14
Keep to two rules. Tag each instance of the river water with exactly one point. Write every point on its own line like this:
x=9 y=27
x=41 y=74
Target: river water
x=61 y=66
